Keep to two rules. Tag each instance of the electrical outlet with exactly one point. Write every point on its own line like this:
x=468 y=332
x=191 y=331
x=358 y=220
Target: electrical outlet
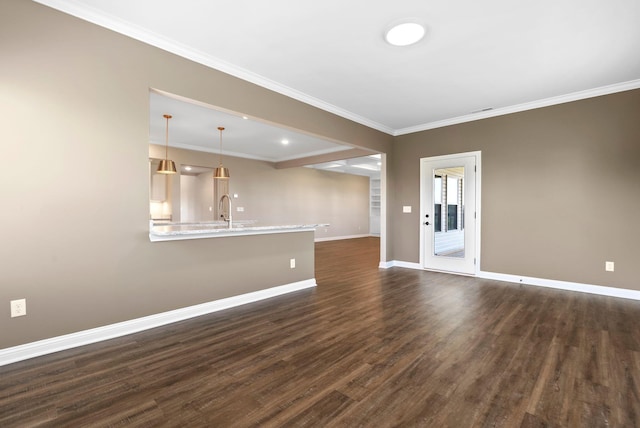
x=609 y=266
x=292 y=263
x=18 y=308
x=240 y=209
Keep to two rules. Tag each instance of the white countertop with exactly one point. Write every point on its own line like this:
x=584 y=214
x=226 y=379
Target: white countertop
x=179 y=231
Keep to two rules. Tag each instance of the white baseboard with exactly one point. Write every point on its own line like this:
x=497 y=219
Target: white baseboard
x=539 y=282
x=563 y=285
x=338 y=238
x=398 y=263
x=73 y=340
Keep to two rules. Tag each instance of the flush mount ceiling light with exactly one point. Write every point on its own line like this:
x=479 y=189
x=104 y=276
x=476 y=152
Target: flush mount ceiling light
x=405 y=33
x=167 y=166
x=221 y=172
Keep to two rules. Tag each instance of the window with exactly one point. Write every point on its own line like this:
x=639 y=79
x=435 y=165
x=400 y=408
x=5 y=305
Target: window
x=437 y=204
x=453 y=191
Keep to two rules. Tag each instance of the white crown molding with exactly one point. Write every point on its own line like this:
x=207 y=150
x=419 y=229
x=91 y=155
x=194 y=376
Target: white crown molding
x=86 y=337
x=315 y=153
x=575 y=96
x=197 y=148
x=86 y=13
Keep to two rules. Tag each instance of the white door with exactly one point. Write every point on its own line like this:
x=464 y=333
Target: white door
x=448 y=213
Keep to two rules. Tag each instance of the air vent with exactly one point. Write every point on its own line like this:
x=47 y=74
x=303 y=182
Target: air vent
x=481 y=110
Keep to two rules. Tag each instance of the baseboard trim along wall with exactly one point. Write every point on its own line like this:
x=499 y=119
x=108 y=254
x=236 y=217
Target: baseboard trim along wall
x=338 y=238
x=86 y=337
x=397 y=263
x=563 y=285
x=539 y=282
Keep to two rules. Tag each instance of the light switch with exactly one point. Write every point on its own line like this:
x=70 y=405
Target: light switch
x=406 y=209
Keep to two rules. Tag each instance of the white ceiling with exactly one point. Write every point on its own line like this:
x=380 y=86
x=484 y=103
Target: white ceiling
x=478 y=59
x=365 y=165
x=194 y=126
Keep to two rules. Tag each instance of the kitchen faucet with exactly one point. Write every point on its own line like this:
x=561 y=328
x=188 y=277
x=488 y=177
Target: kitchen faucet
x=222 y=213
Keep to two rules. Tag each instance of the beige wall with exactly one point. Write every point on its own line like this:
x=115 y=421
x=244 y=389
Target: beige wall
x=560 y=184
x=288 y=196
x=560 y=189
x=75 y=130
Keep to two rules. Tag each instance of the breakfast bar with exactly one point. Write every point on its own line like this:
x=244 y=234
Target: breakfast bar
x=166 y=231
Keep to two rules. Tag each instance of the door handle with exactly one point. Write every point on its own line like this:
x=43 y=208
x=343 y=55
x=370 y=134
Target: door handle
x=426 y=223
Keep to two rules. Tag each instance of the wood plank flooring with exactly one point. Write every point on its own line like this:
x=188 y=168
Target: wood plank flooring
x=367 y=347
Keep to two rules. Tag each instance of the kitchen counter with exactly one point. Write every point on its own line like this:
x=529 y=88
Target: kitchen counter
x=179 y=231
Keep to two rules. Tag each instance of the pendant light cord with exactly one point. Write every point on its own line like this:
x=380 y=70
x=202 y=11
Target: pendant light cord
x=166 y=145
x=220 y=128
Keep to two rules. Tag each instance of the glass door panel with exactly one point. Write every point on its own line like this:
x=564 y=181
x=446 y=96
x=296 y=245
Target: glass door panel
x=448 y=236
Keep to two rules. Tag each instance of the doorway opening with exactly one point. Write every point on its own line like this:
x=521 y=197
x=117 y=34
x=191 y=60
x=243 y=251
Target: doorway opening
x=372 y=166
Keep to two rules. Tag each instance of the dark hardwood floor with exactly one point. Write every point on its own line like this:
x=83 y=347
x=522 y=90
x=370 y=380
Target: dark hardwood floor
x=367 y=347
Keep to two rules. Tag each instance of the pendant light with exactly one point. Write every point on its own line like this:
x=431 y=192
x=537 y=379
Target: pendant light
x=221 y=172
x=167 y=166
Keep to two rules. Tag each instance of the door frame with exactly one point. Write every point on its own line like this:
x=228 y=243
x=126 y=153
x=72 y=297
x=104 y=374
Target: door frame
x=424 y=208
